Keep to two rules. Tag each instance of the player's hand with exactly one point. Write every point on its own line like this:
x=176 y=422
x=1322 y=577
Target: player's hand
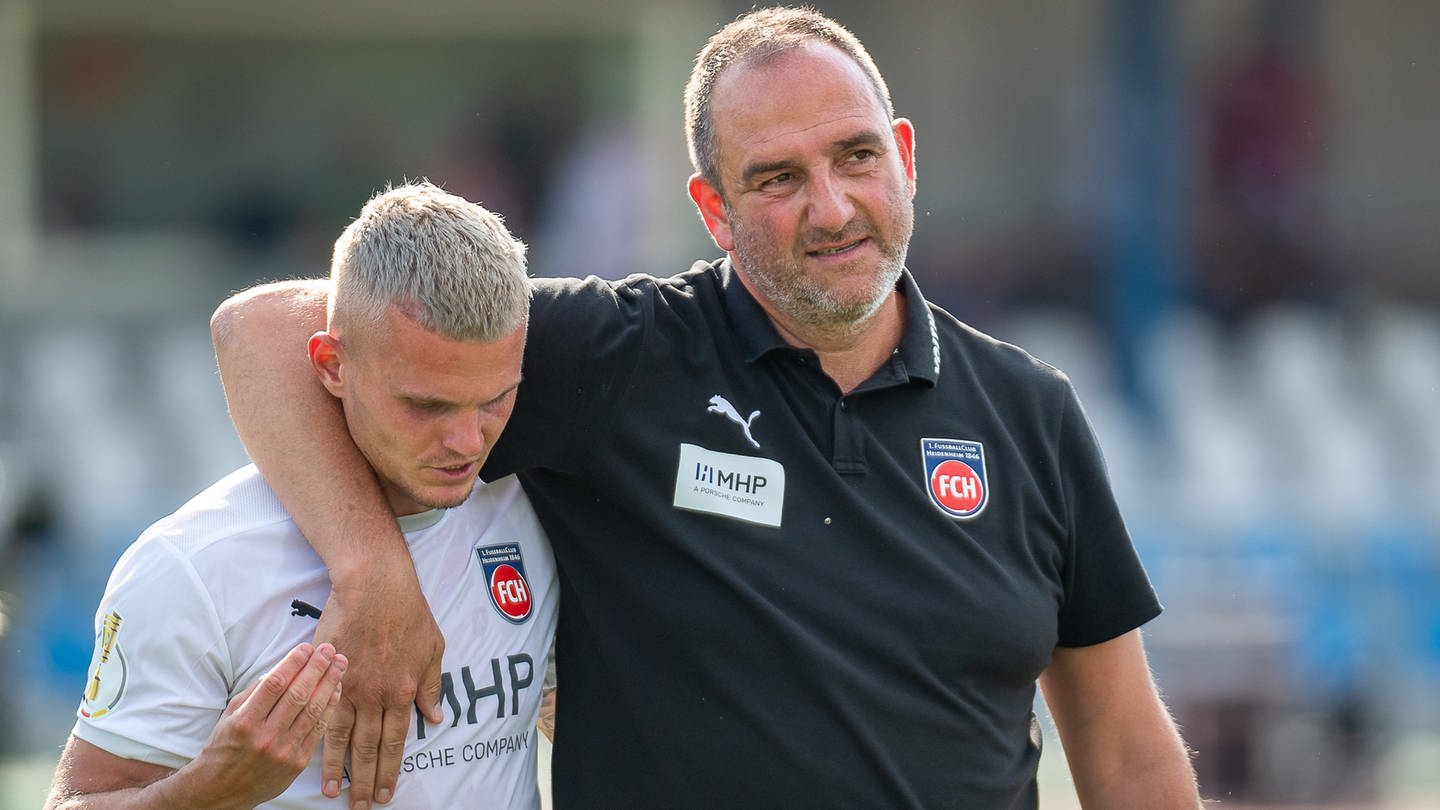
x=267 y=733
x=395 y=648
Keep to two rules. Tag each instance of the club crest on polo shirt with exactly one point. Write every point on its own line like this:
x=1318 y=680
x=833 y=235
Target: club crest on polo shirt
x=955 y=476
x=504 y=569
x=108 y=670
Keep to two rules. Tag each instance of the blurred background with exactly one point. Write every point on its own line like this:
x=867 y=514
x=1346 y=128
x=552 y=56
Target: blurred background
x=1221 y=217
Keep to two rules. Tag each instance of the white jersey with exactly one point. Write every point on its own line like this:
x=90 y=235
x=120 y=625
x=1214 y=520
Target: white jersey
x=213 y=596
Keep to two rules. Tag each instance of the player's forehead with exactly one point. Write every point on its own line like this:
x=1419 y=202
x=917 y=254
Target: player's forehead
x=424 y=366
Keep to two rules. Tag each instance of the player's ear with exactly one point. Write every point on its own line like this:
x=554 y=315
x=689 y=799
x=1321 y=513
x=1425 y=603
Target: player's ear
x=712 y=210
x=326 y=357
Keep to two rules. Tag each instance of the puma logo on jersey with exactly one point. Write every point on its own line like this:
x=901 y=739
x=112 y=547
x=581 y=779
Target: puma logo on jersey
x=299 y=608
x=722 y=406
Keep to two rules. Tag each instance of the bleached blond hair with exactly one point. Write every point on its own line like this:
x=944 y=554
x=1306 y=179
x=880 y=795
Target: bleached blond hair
x=448 y=263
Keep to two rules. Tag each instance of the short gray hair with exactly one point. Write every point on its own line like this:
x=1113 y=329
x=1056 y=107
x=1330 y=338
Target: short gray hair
x=445 y=261
x=755 y=38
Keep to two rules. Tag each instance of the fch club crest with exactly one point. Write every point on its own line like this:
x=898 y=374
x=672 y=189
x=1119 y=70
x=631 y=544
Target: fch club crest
x=955 y=476
x=504 y=569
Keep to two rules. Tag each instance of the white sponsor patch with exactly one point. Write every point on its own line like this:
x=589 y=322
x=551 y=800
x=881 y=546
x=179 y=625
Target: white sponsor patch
x=746 y=488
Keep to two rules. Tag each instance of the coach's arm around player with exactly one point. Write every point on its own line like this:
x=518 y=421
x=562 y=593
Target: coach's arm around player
x=1121 y=744
x=265 y=738
x=366 y=733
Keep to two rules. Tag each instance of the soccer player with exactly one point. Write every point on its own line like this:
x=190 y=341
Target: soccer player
x=819 y=540
x=422 y=352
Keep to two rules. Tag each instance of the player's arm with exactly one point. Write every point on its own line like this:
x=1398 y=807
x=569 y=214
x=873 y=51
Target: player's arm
x=264 y=739
x=1122 y=745
x=295 y=432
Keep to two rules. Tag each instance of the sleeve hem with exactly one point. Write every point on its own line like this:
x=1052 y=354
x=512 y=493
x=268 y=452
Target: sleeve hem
x=128 y=748
x=1133 y=615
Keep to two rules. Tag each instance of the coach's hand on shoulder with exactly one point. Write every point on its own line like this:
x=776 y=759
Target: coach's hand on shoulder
x=381 y=619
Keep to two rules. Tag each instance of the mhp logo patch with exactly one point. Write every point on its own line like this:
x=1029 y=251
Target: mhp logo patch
x=955 y=476
x=505 y=576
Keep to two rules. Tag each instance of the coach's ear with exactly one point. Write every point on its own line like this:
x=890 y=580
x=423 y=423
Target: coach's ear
x=327 y=358
x=712 y=210
x=904 y=132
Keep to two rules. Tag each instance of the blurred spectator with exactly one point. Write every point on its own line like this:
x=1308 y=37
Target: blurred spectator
x=27 y=542
x=86 y=80
x=590 y=220
x=1263 y=124
x=480 y=160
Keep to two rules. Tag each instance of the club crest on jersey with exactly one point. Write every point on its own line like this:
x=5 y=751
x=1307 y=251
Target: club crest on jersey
x=108 y=670
x=504 y=569
x=955 y=476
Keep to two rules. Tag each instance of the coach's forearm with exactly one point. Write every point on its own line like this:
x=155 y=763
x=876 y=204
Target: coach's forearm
x=1122 y=746
x=295 y=431
x=376 y=613
x=1162 y=779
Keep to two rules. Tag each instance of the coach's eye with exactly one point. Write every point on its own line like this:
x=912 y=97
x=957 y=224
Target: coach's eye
x=777 y=180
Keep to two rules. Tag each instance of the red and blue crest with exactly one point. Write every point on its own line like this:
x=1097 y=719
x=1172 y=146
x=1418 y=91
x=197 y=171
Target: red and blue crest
x=955 y=476
x=505 y=577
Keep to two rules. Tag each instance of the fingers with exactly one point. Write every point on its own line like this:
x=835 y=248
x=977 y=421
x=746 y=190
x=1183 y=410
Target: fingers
x=268 y=732
x=262 y=696
x=338 y=725
x=398 y=651
x=310 y=691
x=377 y=750
x=324 y=699
x=364 y=755
x=394 y=729
x=427 y=700
x=294 y=697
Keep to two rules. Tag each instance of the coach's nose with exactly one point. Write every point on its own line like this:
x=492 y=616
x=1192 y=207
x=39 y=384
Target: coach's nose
x=831 y=208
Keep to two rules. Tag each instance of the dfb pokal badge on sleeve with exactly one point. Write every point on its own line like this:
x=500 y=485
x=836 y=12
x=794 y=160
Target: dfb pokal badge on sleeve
x=108 y=670
x=955 y=476
x=505 y=577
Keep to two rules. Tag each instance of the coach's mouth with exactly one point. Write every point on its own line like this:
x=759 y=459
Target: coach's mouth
x=842 y=249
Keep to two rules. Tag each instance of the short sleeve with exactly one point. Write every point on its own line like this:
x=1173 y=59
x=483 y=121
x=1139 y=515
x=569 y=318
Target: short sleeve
x=160 y=674
x=579 y=352
x=1107 y=592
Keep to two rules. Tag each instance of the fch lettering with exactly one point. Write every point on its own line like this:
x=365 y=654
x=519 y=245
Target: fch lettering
x=958 y=486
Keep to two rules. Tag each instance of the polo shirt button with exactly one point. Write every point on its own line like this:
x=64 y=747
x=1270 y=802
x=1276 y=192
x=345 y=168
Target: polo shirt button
x=843 y=406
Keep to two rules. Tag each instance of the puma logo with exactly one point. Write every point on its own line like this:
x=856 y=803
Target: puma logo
x=722 y=406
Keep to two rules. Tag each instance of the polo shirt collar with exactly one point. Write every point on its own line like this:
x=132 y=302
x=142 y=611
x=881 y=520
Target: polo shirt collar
x=919 y=342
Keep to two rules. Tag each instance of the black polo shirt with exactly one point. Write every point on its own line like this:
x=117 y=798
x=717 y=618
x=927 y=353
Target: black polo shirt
x=777 y=596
